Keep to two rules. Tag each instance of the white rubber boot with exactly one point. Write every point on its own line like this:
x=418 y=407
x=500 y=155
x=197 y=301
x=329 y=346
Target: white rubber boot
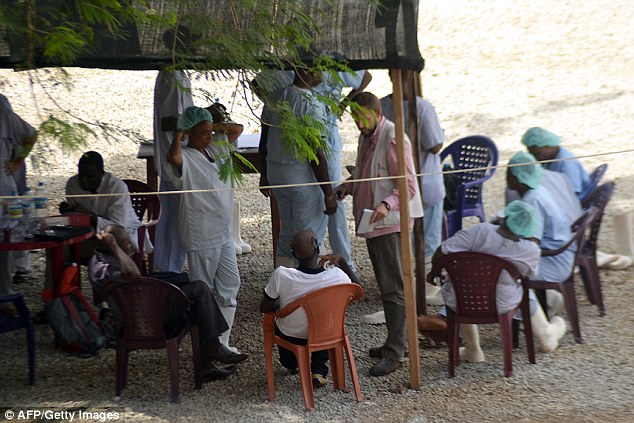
x=555 y=301
x=472 y=352
x=624 y=242
x=229 y=313
x=433 y=295
x=547 y=333
x=242 y=246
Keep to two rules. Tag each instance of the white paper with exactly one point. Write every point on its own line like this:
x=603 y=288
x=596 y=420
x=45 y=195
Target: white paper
x=364 y=225
x=248 y=141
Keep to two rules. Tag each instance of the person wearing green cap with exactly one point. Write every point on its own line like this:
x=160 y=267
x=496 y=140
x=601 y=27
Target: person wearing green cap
x=555 y=215
x=545 y=145
x=512 y=240
x=205 y=216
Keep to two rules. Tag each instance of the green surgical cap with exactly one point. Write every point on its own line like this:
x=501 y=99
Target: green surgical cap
x=530 y=173
x=521 y=219
x=539 y=137
x=192 y=117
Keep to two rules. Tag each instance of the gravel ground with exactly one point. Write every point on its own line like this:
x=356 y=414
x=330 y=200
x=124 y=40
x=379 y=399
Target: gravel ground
x=493 y=68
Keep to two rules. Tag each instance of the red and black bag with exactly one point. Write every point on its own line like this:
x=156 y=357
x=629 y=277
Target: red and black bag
x=75 y=323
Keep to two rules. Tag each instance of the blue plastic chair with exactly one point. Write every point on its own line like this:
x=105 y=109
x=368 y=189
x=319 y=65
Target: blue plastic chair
x=22 y=320
x=471 y=152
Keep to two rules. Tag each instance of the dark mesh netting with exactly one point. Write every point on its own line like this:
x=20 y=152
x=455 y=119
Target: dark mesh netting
x=363 y=34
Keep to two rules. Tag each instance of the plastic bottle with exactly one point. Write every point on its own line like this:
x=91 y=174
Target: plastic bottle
x=28 y=206
x=41 y=201
x=16 y=219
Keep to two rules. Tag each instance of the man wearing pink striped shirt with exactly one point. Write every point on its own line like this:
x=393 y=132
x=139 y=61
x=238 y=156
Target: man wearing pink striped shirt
x=376 y=158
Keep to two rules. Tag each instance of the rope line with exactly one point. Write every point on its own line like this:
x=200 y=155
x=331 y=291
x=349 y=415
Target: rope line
x=381 y=178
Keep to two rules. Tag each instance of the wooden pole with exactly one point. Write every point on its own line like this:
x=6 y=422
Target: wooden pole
x=419 y=230
x=406 y=242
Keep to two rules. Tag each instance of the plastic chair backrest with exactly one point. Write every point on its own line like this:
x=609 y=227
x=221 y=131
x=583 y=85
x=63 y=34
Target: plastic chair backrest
x=143 y=204
x=472 y=152
x=599 y=199
x=595 y=178
x=325 y=310
x=474 y=277
x=140 y=310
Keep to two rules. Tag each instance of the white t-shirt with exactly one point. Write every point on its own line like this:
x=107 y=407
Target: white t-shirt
x=288 y=284
x=484 y=238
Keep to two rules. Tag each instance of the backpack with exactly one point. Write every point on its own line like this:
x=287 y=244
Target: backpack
x=76 y=326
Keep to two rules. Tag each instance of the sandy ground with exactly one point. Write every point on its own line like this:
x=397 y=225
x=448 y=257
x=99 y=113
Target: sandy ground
x=493 y=68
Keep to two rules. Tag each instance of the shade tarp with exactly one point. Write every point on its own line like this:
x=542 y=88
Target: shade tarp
x=367 y=35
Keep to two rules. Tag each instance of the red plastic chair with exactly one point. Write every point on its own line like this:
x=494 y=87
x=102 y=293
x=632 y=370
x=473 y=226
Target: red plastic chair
x=467 y=153
x=567 y=287
x=474 y=277
x=326 y=312
x=22 y=320
x=148 y=208
x=139 y=309
x=587 y=257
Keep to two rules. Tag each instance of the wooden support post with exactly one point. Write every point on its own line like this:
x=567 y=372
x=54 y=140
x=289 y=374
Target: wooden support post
x=406 y=242
x=419 y=230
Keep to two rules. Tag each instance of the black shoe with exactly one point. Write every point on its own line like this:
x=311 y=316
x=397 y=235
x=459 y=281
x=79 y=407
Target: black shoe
x=385 y=367
x=376 y=352
x=217 y=373
x=225 y=355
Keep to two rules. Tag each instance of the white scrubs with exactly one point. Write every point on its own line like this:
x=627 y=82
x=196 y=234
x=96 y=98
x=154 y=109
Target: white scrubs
x=172 y=96
x=300 y=207
x=205 y=227
x=13 y=130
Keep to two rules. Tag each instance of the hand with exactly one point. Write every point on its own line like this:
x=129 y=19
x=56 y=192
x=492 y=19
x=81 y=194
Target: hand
x=380 y=211
x=330 y=259
x=12 y=166
x=341 y=191
x=264 y=182
x=107 y=238
x=179 y=135
x=220 y=128
x=330 y=201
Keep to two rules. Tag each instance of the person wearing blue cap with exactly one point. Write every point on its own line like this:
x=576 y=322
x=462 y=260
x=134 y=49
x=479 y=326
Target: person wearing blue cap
x=513 y=240
x=205 y=217
x=545 y=145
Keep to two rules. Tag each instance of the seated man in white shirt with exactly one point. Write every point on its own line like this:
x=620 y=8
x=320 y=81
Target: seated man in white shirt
x=287 y=284
x=104 y=210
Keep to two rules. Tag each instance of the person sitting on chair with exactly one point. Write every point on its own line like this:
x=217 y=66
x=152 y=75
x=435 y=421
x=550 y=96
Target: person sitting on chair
x=545 y=145
x=287 y=284
x=512 y=240
x=112 y=264
x=106 y=210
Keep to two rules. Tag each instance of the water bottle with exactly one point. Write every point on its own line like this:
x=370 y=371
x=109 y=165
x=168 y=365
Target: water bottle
x=30 y=221
x=41 y=201
x=16 y=219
